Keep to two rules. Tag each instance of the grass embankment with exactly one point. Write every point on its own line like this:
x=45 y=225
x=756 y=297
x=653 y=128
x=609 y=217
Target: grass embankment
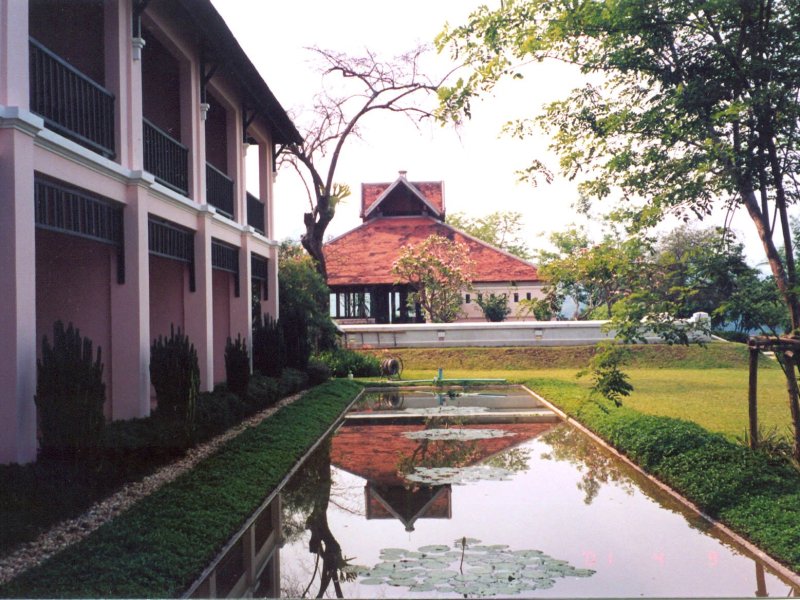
x=672 y=425
x=160 y=545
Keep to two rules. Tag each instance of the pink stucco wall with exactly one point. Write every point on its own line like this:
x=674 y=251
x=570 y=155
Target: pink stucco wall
x=222 y=285
x=167 y=289
x=73 y=284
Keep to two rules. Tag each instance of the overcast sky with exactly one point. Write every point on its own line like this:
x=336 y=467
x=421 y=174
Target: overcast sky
x=476 y=164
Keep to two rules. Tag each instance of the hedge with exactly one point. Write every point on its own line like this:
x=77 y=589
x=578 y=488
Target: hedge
x=159 y=546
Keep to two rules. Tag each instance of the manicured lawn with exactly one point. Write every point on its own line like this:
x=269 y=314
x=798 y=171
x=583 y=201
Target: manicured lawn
x=704 y=385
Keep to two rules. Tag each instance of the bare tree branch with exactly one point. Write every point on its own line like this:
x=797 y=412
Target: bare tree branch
x=368 y=84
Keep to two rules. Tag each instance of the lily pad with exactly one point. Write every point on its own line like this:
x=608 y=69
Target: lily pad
x=434 y=548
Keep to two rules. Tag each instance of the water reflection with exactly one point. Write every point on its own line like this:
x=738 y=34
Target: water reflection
x=597 y=466
x=565 y=498
x=308 y=495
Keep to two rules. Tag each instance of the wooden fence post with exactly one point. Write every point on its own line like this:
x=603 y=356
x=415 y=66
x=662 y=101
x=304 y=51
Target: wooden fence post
x=752 y=398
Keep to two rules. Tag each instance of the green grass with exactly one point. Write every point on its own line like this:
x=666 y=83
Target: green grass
x=706 y=385
x=656 y=356
x=162 y=543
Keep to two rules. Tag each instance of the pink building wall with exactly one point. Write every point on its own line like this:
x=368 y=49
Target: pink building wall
x=56 y=275
x=73 y=286
x=222 y=285
x=167 y=289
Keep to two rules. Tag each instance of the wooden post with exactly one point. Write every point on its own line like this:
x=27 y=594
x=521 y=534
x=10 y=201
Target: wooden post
x=752 y=398
x=791 y=381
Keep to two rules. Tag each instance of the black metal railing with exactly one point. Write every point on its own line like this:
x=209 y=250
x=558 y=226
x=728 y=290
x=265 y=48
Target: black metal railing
x=255 y=214
x=166 y=158
x=219 y=190
x=70 y=102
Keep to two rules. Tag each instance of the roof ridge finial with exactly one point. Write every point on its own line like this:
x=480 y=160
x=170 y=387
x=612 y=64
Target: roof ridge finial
x=402 y=173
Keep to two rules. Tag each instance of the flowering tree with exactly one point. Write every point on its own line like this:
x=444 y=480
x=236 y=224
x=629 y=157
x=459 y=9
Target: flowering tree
x=439 y=270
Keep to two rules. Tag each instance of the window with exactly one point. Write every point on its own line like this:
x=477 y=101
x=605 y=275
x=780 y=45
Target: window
x=467 y=299
x=516 y=297
x=480 y=298
x=528 y=295
x=351 y=304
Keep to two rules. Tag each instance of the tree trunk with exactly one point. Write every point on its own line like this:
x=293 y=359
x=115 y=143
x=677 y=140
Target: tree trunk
x=790 y=370
x=790 y=298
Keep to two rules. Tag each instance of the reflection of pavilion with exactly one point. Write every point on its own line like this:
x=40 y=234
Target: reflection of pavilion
x=376 y=452
x=407 y=505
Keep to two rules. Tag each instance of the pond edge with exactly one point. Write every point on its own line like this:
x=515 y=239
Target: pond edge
x=781 y=569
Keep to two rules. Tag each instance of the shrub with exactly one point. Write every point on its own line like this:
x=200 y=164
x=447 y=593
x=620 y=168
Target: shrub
x=237 y=366
x=175 y=374
x=342 y=361
x=269 y=350
x=70 y=393
x=318 y=372
x=217 y=411
x=263 y=391
x=294 y=325
x=495 y=307
x=292 y=381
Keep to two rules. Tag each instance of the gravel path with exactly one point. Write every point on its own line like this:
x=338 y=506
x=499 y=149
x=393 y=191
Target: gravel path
x=68 y=532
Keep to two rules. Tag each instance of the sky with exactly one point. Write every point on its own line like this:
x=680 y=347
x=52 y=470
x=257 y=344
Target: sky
x=476 y=163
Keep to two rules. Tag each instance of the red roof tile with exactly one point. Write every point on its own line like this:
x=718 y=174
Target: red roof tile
x=366 y=254
x=432 y=191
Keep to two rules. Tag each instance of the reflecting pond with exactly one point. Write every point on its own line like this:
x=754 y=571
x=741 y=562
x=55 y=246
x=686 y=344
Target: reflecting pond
x=445 y=505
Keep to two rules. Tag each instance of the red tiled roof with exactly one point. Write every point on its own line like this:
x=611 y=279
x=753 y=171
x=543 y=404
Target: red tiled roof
x=366 y=254
x=432 y=191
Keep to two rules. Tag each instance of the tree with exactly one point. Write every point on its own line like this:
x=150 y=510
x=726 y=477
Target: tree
x=593 y=275
x=370 y=85
x=495 y=307
x=304 y=297
x=698 y=109
x=501 y=229
x=439 y=270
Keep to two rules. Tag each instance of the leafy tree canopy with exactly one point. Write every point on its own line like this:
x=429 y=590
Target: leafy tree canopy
x=697 y=109
x=439 y=270
x=303 y=292
x=501 y=229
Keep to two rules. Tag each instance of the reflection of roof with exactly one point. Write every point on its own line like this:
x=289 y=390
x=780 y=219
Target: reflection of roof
x=366 y=254
x=373 y=452
x=408 y=505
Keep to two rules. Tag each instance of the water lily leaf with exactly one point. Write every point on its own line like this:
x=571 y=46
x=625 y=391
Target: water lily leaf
x=434 y=548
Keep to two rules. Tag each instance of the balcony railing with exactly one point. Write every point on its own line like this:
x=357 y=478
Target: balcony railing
x=166 y=158
x=69 y=102
x=219 y=190
x=255 y=214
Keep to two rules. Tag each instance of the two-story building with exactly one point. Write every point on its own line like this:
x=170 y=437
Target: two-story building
x=126 y=208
